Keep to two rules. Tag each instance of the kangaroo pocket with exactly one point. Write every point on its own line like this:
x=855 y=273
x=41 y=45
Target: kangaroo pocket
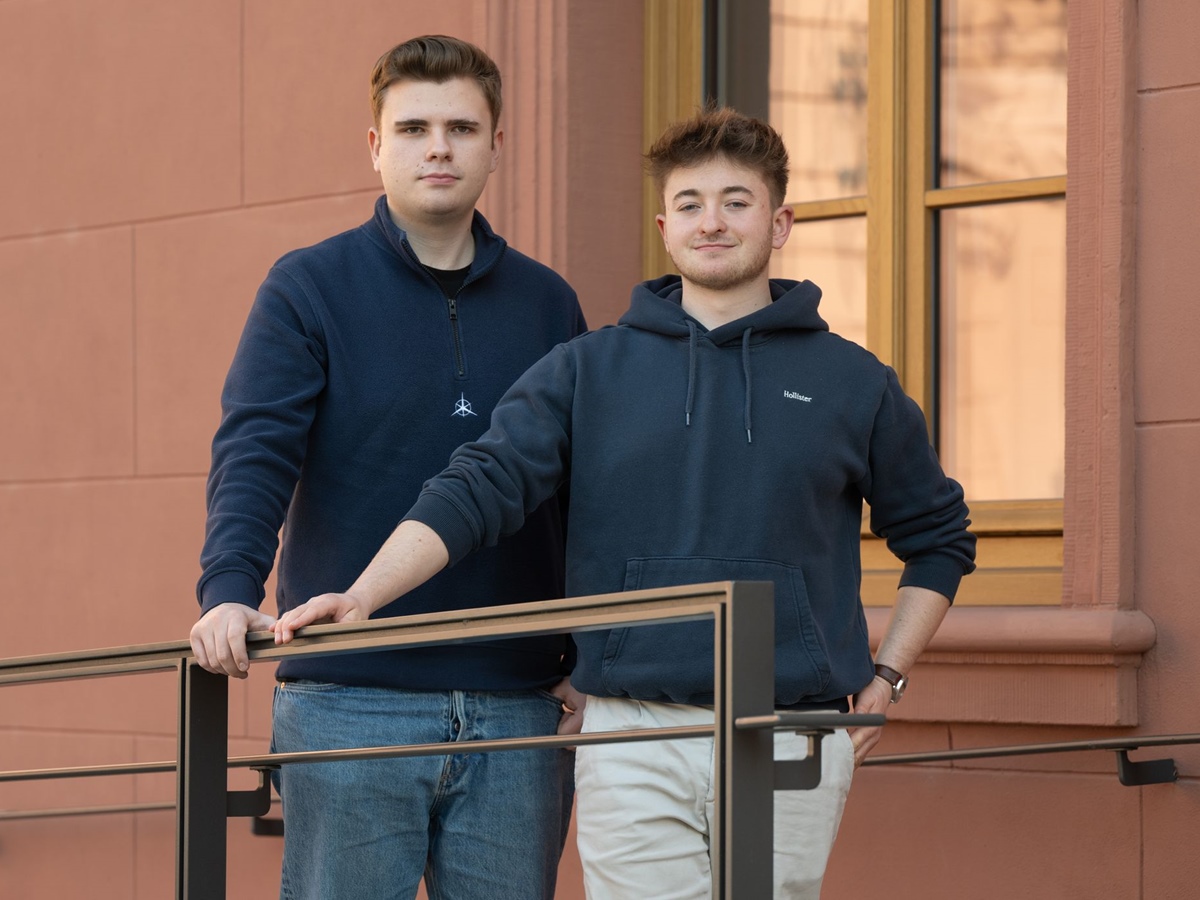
x=674 y=662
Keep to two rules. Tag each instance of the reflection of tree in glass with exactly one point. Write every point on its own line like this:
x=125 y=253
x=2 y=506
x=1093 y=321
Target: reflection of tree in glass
x=1002 y=319
x=1004 y=90
x=818 y=94
x=818 y=102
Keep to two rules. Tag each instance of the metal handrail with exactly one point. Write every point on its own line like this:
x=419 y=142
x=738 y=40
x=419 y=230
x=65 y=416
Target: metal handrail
x=1122 y=743
x=1135 y=742
x=745 y=775
x=586 y=613
x=682 y=604
x=1131 y=773
x=68 y=811
x=1119 y=745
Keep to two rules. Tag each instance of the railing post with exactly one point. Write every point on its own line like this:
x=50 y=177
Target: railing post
x=742 y=846
x=202 y=782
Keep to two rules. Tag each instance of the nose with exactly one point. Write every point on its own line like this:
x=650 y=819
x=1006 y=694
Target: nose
x=711 y=221
x=439 y=144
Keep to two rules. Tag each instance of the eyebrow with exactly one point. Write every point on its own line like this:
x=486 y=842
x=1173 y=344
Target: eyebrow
x=453 y=123
x=732 y=189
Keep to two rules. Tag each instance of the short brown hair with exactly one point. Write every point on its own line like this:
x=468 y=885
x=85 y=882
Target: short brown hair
x=721 y=131
x=436 y=58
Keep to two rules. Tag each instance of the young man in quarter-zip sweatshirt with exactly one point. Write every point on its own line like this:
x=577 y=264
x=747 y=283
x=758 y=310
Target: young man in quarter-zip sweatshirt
x=719 y=432
x=365 y=361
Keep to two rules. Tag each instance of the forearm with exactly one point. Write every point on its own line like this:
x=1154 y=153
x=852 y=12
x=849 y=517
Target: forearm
x=411 y=556
x=268 y=405
x=915 y=618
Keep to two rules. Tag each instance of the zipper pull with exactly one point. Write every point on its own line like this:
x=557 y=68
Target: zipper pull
x=453 y=304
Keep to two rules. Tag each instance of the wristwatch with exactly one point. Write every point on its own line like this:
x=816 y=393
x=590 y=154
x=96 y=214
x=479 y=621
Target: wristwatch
x=895 y=679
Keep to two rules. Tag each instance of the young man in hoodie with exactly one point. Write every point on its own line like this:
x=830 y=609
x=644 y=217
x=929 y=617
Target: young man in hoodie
x=365 y=361
x=719 y=432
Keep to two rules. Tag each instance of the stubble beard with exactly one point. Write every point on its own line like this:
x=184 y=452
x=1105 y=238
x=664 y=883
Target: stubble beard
x=728 y=278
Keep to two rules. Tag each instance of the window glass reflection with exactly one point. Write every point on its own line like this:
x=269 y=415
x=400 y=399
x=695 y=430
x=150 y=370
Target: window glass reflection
x=818 y=94
x=833 y=255
x=1003 y=283
x=1004 y=90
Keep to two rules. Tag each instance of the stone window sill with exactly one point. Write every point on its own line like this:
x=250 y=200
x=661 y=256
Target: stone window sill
x=1027 y=665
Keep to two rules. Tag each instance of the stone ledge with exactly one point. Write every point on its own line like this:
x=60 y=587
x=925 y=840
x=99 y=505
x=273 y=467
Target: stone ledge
x=1027 y=665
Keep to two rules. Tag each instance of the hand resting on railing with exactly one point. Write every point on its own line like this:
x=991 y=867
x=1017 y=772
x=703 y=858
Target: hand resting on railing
x=219 y=638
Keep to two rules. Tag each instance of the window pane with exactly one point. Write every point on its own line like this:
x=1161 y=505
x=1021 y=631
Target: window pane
x=833 y=255
x=1002 y=305
x=818 y=94
x=1004 y=90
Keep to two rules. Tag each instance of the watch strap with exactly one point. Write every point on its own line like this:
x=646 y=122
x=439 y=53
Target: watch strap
x=888 y=674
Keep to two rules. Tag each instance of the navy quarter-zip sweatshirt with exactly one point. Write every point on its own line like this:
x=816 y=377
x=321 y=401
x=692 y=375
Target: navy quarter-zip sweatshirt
x=743 y=452
x=354 y=381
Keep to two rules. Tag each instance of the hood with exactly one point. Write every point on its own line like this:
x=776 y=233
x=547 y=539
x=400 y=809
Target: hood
x=489 y=246
x=655 y=307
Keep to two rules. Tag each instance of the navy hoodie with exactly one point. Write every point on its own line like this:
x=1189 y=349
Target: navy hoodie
x=354 y=381
x=744 y=452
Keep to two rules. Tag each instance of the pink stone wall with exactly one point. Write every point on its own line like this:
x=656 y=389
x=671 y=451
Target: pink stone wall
x=155 y=159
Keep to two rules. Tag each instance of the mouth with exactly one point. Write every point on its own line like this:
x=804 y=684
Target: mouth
x=706 y=247
x=439 y=178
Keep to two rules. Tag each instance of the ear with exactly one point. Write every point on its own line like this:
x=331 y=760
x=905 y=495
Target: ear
x=497 y=146
x=661 y=221
x=373 y=141
x=781 y=226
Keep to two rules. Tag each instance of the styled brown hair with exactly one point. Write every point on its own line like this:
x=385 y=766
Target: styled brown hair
x=721 y=131
x=436 y=58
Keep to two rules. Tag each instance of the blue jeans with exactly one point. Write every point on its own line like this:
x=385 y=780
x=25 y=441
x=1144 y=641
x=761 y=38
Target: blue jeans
x=478 y=826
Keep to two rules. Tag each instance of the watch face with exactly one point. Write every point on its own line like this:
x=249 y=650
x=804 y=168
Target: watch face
x=899 y=687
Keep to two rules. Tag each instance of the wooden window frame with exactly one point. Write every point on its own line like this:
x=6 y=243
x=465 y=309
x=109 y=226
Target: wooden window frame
x=1020 y=542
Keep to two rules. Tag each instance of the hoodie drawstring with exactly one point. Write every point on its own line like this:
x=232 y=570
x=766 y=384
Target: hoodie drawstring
x=691 y=394
x=746 y=372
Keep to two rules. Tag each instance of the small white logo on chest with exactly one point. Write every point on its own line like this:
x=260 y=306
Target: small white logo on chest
x=792 y=395
x=463 y=407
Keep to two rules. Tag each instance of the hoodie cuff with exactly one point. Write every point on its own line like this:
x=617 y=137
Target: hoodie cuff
x=447 y=521
x=936 y=573
x=230 y=586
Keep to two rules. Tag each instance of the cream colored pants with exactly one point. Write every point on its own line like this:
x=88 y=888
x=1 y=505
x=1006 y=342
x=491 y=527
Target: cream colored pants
x=645 y=809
